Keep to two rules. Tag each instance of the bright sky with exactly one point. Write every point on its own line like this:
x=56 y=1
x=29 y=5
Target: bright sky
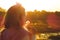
x=48 y=5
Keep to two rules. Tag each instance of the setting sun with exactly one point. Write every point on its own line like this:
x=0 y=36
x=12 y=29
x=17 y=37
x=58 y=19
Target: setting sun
x=48 y=5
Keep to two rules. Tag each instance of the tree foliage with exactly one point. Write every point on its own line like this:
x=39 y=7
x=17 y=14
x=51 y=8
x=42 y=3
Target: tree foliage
x=39 y=20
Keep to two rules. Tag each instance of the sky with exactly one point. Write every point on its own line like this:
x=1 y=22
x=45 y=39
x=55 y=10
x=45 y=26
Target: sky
x=30 y=5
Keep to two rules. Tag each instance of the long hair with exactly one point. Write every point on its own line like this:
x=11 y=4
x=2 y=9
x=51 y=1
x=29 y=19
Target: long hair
x=14 y=16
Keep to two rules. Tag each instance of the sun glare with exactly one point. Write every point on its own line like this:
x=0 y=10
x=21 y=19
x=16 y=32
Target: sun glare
x=48 y=5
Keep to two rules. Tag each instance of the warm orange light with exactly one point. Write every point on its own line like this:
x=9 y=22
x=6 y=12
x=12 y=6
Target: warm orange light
x=25 y=25
x=49 y=5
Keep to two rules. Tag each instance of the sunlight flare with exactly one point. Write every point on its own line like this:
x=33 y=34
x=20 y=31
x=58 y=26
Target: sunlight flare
x=48 y=5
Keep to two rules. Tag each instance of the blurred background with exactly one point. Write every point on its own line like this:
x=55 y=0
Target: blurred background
x=43 y=15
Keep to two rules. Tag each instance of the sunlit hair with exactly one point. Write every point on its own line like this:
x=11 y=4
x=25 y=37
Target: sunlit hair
x=15 y=14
